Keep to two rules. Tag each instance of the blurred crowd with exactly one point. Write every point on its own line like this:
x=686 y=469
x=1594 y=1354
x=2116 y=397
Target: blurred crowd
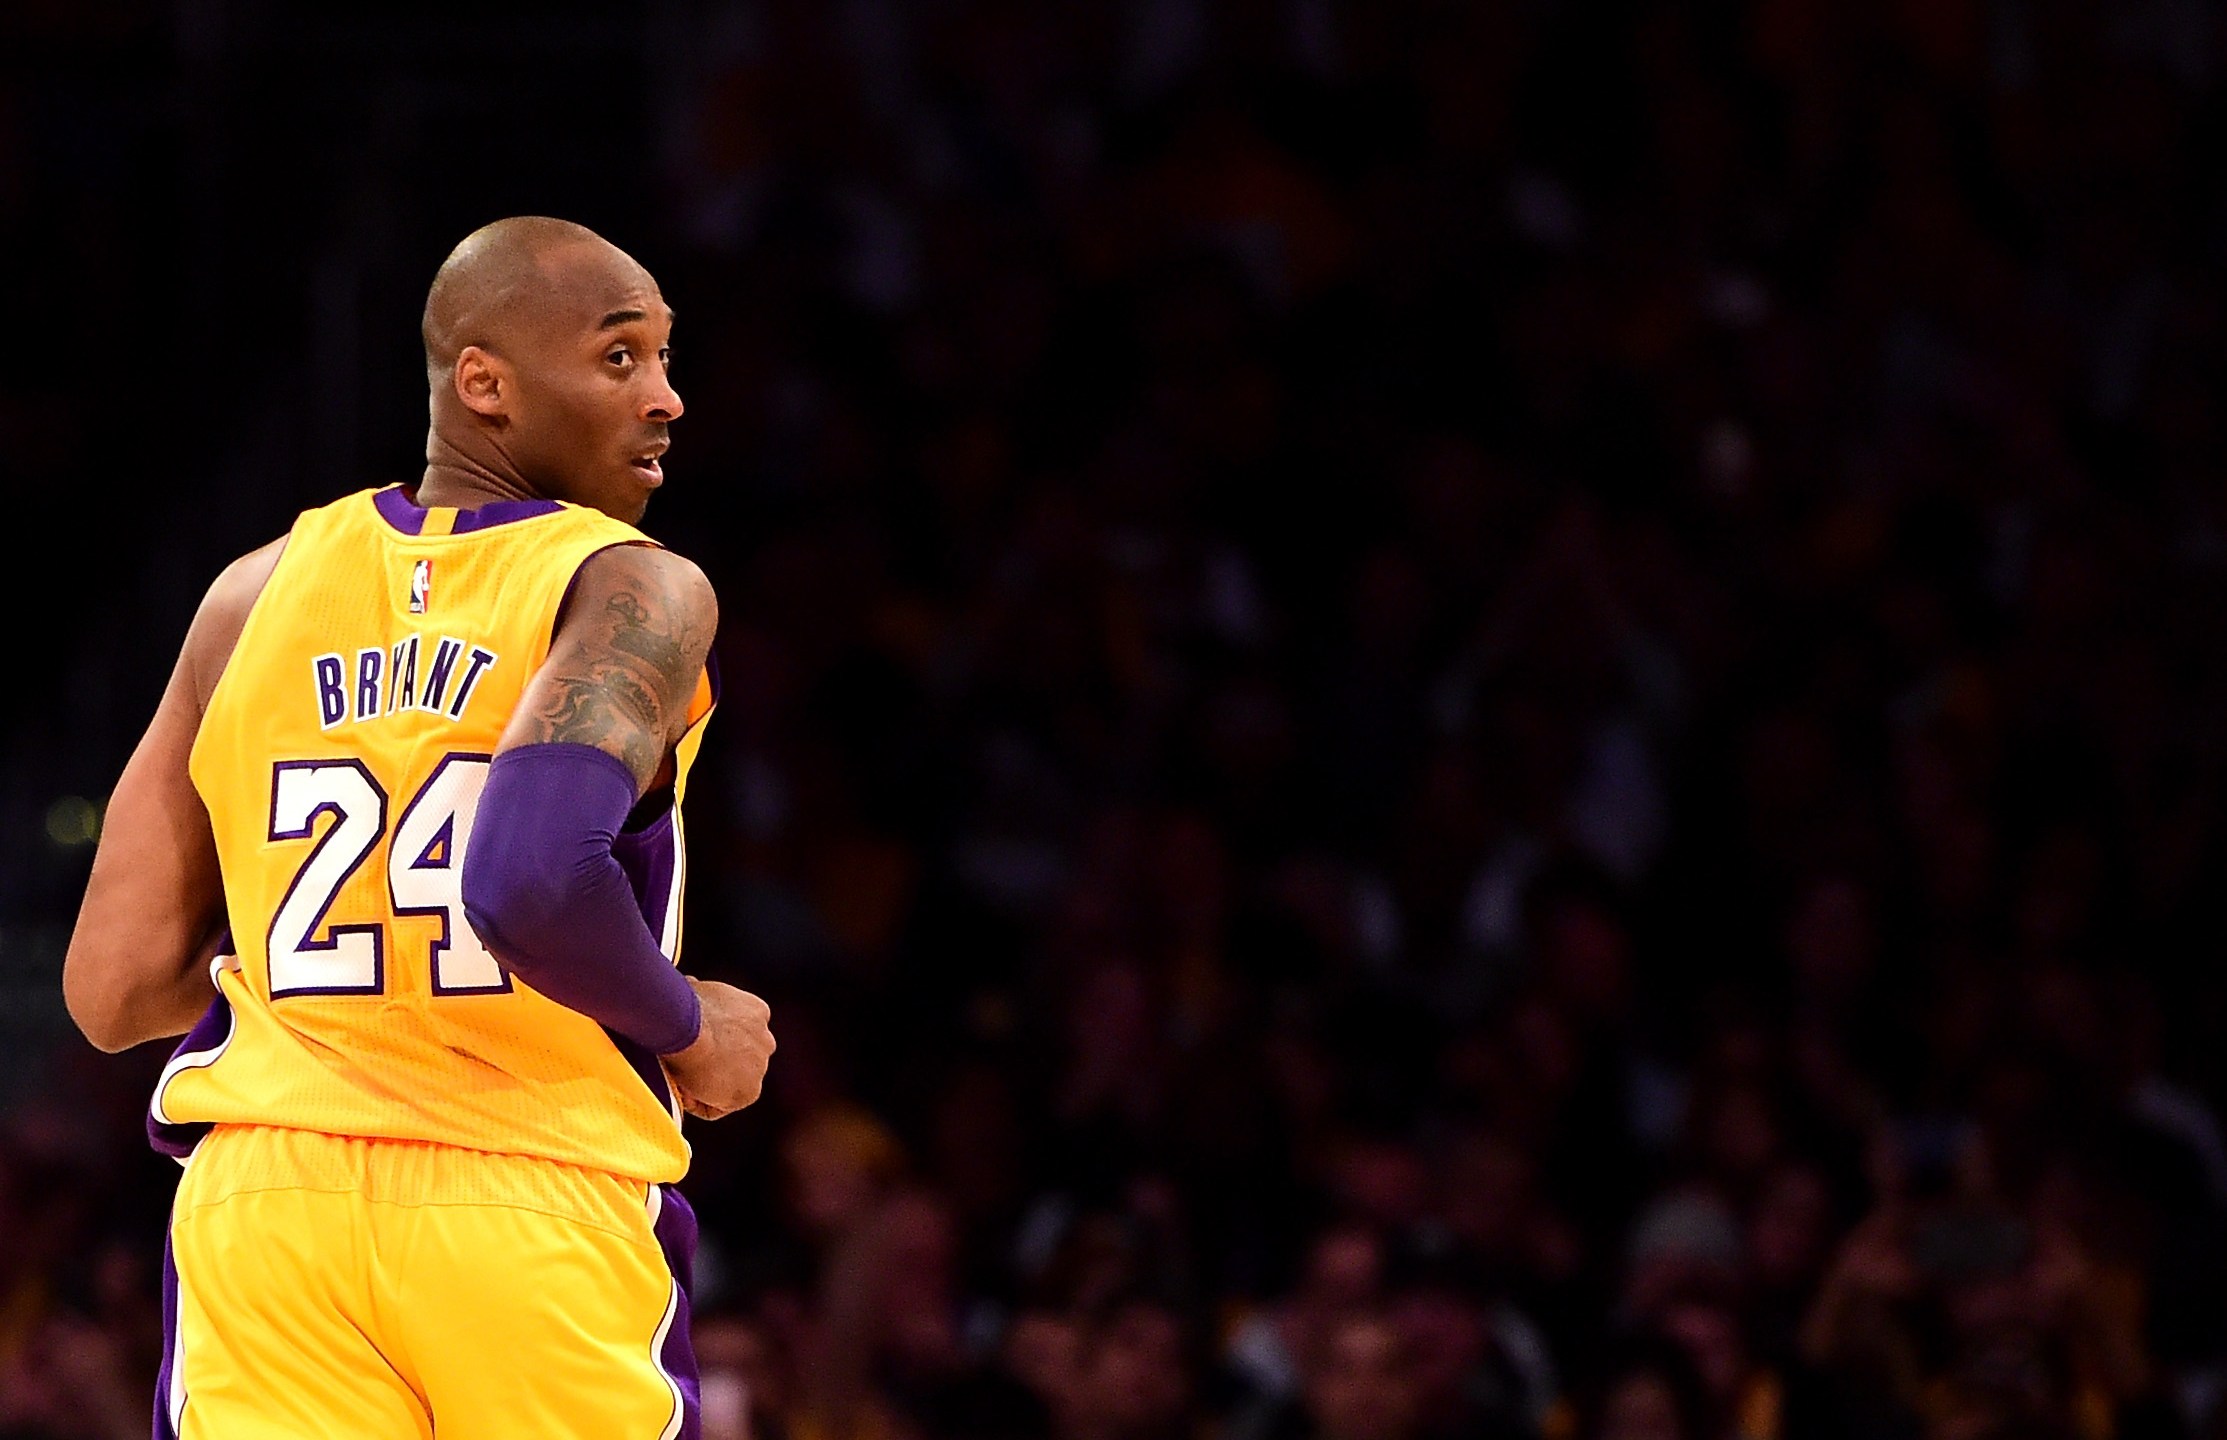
x=1444 y=721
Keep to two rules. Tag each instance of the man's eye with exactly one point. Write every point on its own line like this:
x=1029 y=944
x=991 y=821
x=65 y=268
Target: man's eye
x=619 y=356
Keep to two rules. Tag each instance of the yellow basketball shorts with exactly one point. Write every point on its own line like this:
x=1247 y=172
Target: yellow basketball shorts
x=337 y=1287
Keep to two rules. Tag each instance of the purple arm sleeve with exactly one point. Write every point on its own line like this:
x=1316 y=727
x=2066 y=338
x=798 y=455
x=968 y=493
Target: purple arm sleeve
x=543 y=891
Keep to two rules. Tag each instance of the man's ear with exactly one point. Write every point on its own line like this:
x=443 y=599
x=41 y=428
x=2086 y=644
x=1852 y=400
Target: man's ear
x=482 y=383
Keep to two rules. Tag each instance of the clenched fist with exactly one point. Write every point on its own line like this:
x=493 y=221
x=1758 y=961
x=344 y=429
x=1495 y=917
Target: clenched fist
x=725 y=1069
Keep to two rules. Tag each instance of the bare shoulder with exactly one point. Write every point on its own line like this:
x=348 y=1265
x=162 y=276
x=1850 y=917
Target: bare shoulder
x=626 y=657
x=646 y=603
x=614 y=580
x=223 y=614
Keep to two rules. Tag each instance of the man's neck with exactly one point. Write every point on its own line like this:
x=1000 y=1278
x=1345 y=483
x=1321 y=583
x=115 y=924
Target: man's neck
x=454 y=476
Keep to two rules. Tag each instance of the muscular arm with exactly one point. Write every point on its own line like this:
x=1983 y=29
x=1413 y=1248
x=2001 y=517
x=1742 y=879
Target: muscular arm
x=594 y=730
x=153 y=909
x=624 y=663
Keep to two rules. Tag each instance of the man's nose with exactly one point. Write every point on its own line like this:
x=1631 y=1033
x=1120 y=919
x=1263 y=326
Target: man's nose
x=663 y=402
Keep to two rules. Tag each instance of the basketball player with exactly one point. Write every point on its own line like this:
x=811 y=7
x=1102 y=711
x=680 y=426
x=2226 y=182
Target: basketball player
x=410 y=802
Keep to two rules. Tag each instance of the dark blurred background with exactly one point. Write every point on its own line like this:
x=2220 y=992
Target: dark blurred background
x=1444 y=720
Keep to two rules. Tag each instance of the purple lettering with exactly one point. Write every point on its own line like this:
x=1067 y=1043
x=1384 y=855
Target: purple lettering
x=368 y=665
x=445 y=656
x=332 y=698
x=402 y=676
x=481 y=659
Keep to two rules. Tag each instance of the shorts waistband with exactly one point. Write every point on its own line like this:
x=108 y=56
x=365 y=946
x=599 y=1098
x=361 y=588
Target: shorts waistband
x=237 y=1158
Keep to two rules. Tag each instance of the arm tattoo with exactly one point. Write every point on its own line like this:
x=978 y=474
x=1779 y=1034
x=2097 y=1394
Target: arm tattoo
x=636 y=673
x=603 y=709
x=636 y=631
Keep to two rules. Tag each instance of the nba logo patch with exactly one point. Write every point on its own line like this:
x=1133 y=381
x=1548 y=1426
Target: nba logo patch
x=421 y=586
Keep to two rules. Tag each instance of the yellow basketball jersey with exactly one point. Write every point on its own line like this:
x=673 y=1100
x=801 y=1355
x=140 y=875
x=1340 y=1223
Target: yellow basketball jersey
x=341 y=759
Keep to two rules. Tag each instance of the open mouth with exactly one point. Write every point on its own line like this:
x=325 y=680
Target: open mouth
x=646 y=465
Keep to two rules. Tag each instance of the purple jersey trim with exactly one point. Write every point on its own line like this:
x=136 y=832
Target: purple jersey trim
x=502 y=512
x=406 y=515
x=650 y=857
x=203 y=1043
x=395 y=508
x=645 y=1065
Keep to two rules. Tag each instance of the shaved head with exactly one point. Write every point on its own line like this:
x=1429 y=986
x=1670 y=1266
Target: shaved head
x=546 y=354
x=509 y=274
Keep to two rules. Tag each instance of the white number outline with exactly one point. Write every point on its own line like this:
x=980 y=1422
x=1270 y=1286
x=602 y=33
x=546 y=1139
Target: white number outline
x=331 y=952
x=470 y=951
x=402 y=873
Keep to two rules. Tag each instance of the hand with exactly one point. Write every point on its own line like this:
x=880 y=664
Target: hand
x=725 y=1069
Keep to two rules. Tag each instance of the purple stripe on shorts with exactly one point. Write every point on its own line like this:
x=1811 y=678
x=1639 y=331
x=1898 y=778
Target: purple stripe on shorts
x=676 y=1236
x=163 y=1428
